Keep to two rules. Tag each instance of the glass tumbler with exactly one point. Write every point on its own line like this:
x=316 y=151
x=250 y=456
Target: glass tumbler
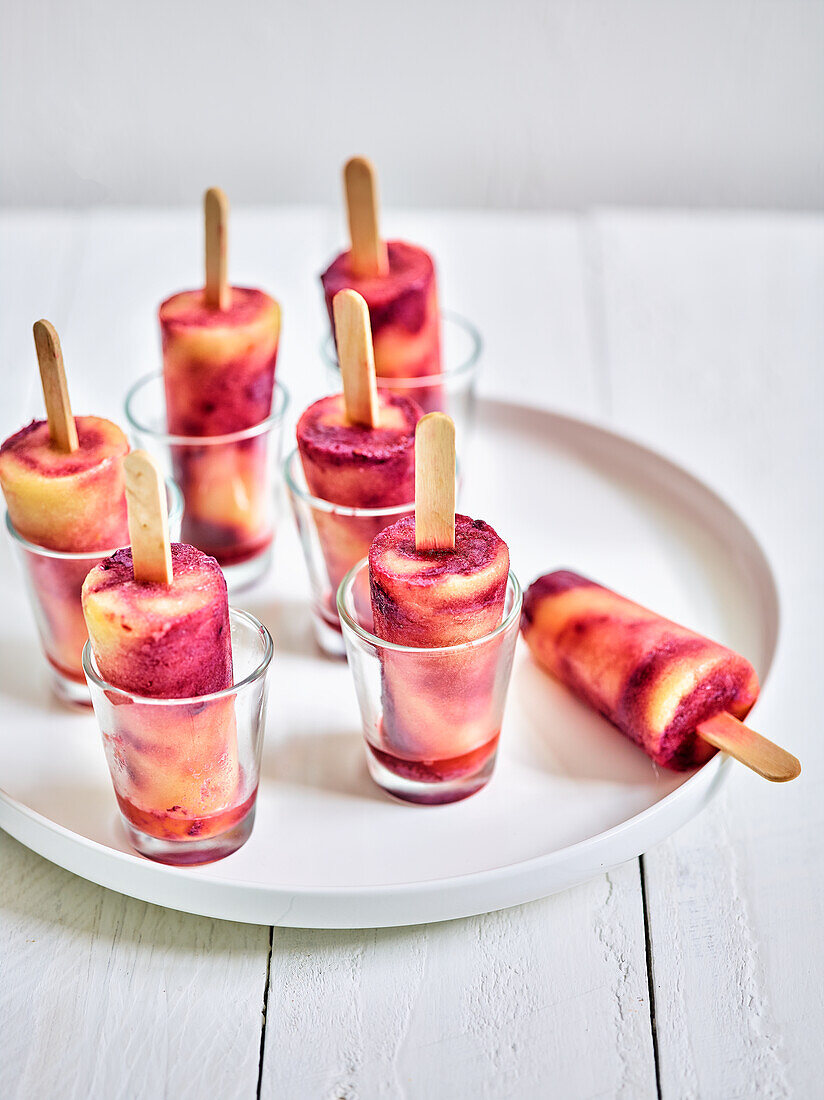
x=53 y=581
x=431 y=717
x=334 y=537
x=452 y=391
x=186 y=771
x=229 y=482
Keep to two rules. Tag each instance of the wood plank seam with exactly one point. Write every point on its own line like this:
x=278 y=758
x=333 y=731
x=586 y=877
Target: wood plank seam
x=265 y=1011
x=650 y=983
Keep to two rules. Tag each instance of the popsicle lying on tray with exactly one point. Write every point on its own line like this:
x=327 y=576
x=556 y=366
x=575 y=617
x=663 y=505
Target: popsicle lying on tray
x=437 y=579
x=357 y=448
x=220 y=348
x=63 y=483
x=397 y=280
x=158 y=621
x=676 y=694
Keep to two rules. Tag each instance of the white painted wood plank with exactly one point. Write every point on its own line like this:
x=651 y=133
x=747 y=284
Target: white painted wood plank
x=719 y=1028
x=104 y=996
x=543 y=1000
x=714 y=331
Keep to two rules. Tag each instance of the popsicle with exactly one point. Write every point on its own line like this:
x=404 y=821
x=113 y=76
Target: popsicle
x=437 y=579
x=62 y=477
x=164 y=640
x=220 y=349
x=397 y=280
x=63 y=483
x=357 y=448
x=676 y=694
x=158 y=621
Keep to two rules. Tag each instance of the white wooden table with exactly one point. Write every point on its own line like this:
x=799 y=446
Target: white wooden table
x=696 y=971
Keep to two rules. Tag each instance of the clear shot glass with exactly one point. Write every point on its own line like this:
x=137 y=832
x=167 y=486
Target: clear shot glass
x=53 y=581
x=431 y=717
x=452 y=391
x=334 y=537
x=229 y=482
x=186 y=771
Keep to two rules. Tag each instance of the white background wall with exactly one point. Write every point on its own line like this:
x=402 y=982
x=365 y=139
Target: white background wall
x=566 y=103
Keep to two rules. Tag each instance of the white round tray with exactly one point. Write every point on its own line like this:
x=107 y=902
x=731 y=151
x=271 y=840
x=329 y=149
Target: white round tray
x=570 y=797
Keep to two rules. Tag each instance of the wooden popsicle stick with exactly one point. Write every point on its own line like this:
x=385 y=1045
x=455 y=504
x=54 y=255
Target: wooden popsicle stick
x=749 y=748
x=216 y=217
x=353 y=335
x=369 y=254
x=435 y=483
x=148 y=519
x=62 y=428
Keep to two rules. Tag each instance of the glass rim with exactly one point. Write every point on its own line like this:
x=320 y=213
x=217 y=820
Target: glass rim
x=280 y=403
x=175 y=514
x=328 y=351
x=235 y=614
x=348 y=582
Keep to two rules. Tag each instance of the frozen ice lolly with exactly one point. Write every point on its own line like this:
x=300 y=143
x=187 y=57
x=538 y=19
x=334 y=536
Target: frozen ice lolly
x=164 y=641
x=436 y=708
x=656 y=681
x=403 y=308
x=427 y=594
x=63 y=483
x=227 y=491
x=437 y=597
x=397 y=280
x=218 y=363
x=175 y=772
x=71 y=501
x=158 y=621
x=220 y=349
x=356 y=467
x=357 y=448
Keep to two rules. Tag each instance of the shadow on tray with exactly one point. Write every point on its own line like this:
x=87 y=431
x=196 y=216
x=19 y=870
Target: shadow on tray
x=332 y=762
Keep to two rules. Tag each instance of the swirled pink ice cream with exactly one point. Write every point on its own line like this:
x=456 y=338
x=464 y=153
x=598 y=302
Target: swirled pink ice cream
x=437 y=706
x=158 y=640
x=653 y=679
x=219 y=375
x=356 y=467
x=403 y=311
x=438 y=597
x=218 y=365
x=175 y=769
x=67 y=502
